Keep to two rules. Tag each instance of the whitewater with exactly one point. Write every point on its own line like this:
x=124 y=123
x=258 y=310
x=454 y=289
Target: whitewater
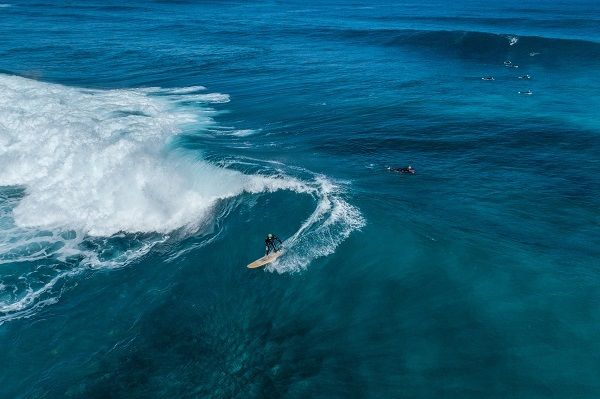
x=91 y=165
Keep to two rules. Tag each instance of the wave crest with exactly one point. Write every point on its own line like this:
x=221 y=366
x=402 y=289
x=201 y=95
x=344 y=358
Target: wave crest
x=96 y=161
x=473 y=44
x=93 y=179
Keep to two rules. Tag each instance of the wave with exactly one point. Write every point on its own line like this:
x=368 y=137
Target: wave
x=94 y=179
x=504 y=23
x=472 y=44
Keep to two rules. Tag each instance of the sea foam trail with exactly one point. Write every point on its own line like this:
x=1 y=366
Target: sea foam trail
x=84 y=169
x=328 y=225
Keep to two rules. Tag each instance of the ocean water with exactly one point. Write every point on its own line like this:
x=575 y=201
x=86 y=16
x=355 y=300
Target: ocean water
x=146 y=149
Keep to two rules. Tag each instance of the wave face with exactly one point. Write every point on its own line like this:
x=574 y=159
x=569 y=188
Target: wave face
x=83 y=168
x=486 y=44
x=475 y=44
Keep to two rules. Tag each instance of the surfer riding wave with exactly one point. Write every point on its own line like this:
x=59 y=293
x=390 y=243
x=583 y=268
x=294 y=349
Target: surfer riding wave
x=161 y=192
x=270 y=244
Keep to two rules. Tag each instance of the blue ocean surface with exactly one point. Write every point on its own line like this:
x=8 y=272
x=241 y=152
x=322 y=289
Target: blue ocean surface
x=147 y=148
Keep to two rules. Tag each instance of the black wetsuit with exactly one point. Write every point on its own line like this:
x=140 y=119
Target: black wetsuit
x=270 y=244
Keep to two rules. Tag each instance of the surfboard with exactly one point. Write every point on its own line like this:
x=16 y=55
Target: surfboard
x=265 y=260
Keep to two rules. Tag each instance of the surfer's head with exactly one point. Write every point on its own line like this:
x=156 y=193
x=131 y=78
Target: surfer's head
x=269 y=236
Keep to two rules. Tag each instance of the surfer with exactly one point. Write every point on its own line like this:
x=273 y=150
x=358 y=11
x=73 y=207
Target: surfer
x=488 y=78
x=407 y=169
x=270 y=243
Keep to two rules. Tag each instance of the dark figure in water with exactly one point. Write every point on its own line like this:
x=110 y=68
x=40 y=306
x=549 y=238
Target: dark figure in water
x=270 y=243
x=407 y=169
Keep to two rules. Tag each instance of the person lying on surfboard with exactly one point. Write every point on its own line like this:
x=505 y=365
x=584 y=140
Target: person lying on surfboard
x=407 y=169
x=270 y=243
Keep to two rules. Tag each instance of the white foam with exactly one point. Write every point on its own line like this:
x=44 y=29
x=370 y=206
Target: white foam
x=330 y=223
x=243 y=132
x=215 y=98
x=27 y=300
x=183 y=90
x=95 y=163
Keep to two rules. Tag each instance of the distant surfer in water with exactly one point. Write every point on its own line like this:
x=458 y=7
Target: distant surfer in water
x=407 y=169
x=270 y=243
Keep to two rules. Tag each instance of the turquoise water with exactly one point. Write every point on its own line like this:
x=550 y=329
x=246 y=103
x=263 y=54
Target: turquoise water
x=146 y=149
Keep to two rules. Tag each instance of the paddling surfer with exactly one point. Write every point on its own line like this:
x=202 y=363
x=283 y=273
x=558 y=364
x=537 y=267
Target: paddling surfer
x=407 y=169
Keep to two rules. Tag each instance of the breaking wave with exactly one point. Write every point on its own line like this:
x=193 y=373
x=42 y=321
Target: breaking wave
x=93 y=179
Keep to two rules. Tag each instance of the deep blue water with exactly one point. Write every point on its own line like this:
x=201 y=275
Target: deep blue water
x=131 y=199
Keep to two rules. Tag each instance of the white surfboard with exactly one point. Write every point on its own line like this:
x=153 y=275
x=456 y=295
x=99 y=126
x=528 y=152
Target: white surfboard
x=265 y=260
